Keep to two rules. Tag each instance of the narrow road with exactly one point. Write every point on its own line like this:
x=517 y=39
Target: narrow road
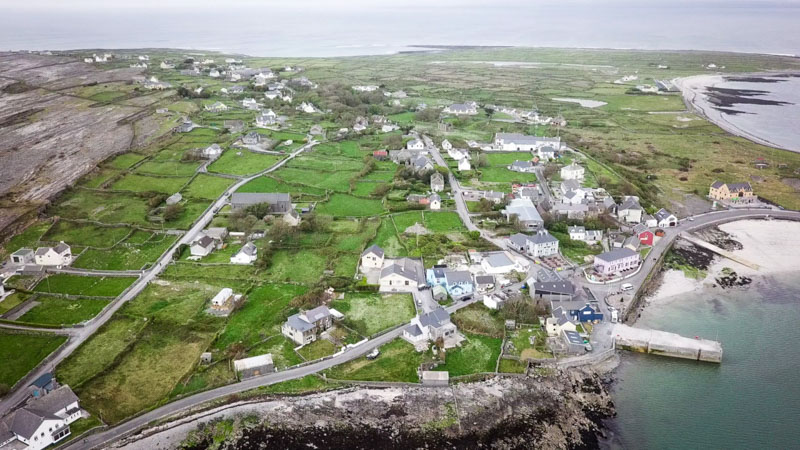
x=80 y=335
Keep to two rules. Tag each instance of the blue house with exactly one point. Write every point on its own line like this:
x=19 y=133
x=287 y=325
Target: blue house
x=435 y=276
x=458 y=283
x=586 y=314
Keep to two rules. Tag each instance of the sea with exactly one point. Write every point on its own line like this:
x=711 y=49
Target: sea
x=316 y=28
x=751 y=400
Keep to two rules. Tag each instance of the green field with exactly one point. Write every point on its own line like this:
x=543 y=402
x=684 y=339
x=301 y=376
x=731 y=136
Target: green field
x=22 y=352
x=87 y=235
x=12 y=301
x=109 y=208
x=88 y=286
x=207 y=187
x=62 y=311
x=443 y=222
x=503 y=175
x=317 y=349
x=371 y=313
x=125 y=160
x=348 y=206
x=476 y=355
x=243 y=162
x=168 y=168
x=126 y=256
x=398 y=361
x=141 y=183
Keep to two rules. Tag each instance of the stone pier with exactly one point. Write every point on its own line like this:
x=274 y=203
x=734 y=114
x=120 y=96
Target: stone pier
x=666 y=344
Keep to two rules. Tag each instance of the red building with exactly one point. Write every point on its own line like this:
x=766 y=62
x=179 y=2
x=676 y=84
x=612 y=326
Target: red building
x=645 y=236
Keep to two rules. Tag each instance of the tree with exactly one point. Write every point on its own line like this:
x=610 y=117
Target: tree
x=172 y=212
x=265 y=253
x=489 y=112
x=381 y=190
x=279 y=231
x=483 y=160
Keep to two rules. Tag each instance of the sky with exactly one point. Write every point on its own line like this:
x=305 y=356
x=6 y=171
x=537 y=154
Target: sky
x=340 y=28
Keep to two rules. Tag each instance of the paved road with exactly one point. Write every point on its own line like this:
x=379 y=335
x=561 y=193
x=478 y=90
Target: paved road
x=80 y=335
x=106 y=437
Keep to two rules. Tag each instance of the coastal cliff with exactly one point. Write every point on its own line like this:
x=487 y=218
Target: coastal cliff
x=554 y=410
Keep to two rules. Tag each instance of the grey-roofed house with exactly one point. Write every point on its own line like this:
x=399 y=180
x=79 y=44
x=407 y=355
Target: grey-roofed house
x=484 y=283
x=616 y=261
x=430 y=326
x=630 y=211
x=525 y=212
x=574 y=342
x=279 y=203
x=437 y=182
x=665 y=218
x=518 y=242
x=251 y=138
x=403 y=274
x=552 y=291
x=23 y=256
x=42 y=422
x=522 y=166
x=246 y=255
x=202 y=246
x=421 y=164
x=254 y=366
x=372 y=257
x=542 y=244
x=458 y=283
x=303 y=327
x=498 y=263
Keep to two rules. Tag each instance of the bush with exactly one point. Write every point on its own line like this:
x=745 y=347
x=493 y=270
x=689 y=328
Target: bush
x=173 y=212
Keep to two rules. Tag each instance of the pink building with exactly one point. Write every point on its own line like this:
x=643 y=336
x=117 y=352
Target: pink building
x=616 y=261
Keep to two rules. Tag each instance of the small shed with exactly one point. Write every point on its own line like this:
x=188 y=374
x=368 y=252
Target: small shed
x=439 y=292
x=435 y=378
x=254 y=366
x=174 y=198
x=205 y=357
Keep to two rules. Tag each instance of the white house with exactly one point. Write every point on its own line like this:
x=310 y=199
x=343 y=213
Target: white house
x=222 y=297
x=202 y=246
x=523 y=143
x=212 y=151
x=575 y=197
x=307 y=107
x=216 y=107
x=542 y=244
x=593 y=236
x=458 y=154
x=402 y=274
x=246 y=255
x=522 y=166
x=494 y=300
x=435 y=201
x=462 y=109
x=577 y=233
x=464 y=165
x=266 y=118
x=498 y=263
x=213 y=73
x=415 y=144
x=572 y=172
x=558 y=323
x=665 y=218
x=303 y=327
x=616 y=261
x=431 y=326
x=372 y=258
x=60 y=255
x=250 y=103
x=42 y=422
x=446 y=145
x=630 y=211
x=437 y=182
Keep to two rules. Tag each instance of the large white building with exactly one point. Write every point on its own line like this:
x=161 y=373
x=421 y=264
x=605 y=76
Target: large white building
x=60 y=255
x=518 y=142
x=572 y=172
x=42 y=422
x=525 y=212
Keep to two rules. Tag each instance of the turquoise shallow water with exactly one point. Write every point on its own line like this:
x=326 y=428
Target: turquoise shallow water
x=751 y=400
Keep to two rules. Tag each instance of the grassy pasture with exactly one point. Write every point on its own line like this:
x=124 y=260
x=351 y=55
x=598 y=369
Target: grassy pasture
x=371 y=313
x=62 y=311
x=61 y=283
x=21 y=352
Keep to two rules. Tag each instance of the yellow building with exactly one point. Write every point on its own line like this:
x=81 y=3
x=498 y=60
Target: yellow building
x=731 y=192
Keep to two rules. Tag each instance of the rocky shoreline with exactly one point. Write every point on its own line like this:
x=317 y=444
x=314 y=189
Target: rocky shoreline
x=564 y=410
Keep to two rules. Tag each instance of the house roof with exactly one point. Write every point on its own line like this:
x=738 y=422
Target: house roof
x=662 y=214
x=413 y=330
x=421 y=161
x=373 y=249
x=435 y=197
x=523 y=209
x=522 y=164
x=204 y=241
x=639 y=228
x=253 y=198
x=41 y=251
x=249 y=249
x=542 y=237
x=576 y=229
x=573 y=337
x=437 y=177
x=616 y=254
x=630 y=203
x=318 y=313
x=458 y=276
x=498 y=260
x=43 y=380
x=222 y=295
x=484 y=279
x=519 y=239
x=493 y=194
x=295 y=322
x=436 y=318
x=405 y=267
x=61 y=248
x=23 y=252
x=53 y=402
x=519 y=138
x=557 y=287
x=570 y=185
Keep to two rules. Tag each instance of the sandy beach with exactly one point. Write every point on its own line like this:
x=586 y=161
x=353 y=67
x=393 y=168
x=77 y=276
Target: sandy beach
x=771 y=244
x=754 y=124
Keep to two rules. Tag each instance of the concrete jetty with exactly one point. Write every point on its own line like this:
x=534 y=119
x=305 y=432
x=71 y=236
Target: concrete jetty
x=666 y=344
x=722 y=252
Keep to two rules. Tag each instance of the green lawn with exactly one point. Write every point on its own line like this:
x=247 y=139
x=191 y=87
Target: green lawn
x=126 y=256
x=317 y=349
x=89 y=286
x=477 y=354
x=443 y=222
x=371 y=313
x=142 y=183
x=477 y=319
x=334 y=181
x=11 y=301
x=511 y=366
x=28 y=238
x=387 y=239
x=285 y=268
x=398 y=361
x=168 y=168
x=125 y=160
x=110 y=208
x=269 y=184
x=406 y=219
x=21 y=352
x=207 y=186
x=62 y=311
x=266 y=308
x=281 y=349
x=348 y=206
x=84 y=234
x=243 y=162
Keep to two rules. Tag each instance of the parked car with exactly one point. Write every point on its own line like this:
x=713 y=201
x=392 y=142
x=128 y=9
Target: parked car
x=373 y=354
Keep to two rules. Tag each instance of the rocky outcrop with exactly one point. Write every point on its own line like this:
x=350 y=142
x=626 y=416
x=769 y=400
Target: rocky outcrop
x=562 y=410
